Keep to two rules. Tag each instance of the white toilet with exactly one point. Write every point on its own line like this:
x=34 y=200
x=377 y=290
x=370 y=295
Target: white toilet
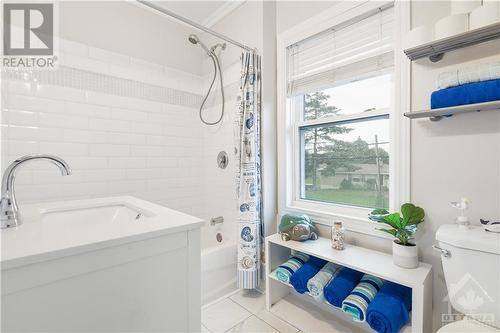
x=471 y=264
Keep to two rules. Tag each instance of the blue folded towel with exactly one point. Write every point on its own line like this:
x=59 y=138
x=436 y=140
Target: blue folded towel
x=357 y=302
x=303 y=274
x=390 y=310
x=286 y=269
x=470 y=93
x=341 y=286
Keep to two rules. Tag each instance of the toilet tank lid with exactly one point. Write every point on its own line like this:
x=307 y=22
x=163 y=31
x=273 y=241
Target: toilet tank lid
x=475 y=238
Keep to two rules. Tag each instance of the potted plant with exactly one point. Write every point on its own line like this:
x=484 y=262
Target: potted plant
x=404 y=251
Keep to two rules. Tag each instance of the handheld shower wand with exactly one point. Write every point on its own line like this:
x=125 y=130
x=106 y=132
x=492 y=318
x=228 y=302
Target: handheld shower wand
x=211 y=53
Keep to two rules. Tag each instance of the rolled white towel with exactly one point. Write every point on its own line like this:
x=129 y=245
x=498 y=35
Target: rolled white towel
x=316 y=284
x=484 y=72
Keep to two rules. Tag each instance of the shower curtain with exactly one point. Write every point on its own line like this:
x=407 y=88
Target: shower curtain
x=248 y=173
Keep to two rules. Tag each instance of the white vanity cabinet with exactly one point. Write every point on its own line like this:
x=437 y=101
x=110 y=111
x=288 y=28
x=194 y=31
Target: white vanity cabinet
x=104 y=265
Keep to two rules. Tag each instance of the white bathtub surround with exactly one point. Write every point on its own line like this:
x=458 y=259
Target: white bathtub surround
x=219 y=198
x=125 y=126
x=126 y=263
x=218 y=269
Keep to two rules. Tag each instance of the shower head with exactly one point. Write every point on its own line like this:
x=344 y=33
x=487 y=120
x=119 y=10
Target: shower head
x=195 y=40
x=214 y=48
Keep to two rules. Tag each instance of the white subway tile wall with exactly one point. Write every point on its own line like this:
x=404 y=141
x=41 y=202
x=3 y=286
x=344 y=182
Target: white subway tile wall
x=219 y=194
x=125 y=126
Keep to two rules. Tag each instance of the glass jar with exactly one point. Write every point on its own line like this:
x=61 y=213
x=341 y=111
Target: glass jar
x=338 y=236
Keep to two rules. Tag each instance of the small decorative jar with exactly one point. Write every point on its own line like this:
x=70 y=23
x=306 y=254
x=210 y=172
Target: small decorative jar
x=338 y=236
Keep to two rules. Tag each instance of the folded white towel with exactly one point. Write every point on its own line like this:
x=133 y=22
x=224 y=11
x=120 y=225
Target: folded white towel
x=316 y=284
x=448 y=79
x=478 y=73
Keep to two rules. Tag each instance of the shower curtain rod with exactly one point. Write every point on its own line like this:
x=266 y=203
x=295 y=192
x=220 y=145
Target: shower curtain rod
x=196 y=25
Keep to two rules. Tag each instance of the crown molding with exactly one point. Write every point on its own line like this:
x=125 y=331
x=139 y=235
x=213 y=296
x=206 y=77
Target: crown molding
x=221 y=12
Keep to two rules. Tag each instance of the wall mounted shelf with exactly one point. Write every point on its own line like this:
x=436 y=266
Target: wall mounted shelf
x=435 y=49
x=438 y=114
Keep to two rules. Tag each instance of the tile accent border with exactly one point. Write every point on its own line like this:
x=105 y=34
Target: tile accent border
x=91 y=81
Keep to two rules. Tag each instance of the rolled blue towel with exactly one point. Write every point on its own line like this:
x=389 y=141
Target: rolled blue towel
x=317 y=283
x=300 y=278
x=357 y=302
x=341 y=286
x=286 y=270
x=470 y=93
x=390 y=309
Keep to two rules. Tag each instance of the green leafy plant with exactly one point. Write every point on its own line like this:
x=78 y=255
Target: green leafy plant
x=402 y=227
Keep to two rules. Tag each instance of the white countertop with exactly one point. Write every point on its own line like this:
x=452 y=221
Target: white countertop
x=39 y=238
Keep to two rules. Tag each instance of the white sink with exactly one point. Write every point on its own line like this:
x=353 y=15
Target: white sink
x=98 y=214
x=104 y=265
x=53 y=228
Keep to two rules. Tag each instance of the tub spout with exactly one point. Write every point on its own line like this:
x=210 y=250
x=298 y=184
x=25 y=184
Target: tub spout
x=216 y=220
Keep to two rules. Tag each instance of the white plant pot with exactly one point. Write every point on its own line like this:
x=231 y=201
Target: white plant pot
x=405 y=256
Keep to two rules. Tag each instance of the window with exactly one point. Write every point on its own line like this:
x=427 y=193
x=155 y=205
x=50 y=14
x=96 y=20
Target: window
x=340 y=87
x=346 y=161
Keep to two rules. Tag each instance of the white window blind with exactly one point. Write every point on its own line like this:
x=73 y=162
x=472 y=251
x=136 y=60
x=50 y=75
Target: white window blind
x=348 y=52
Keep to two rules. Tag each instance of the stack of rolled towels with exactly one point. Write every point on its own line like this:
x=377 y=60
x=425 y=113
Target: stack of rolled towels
x=384 y=305
x=468 y=85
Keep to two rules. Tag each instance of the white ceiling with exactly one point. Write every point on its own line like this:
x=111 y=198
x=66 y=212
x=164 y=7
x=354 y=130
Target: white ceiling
x=206 y=13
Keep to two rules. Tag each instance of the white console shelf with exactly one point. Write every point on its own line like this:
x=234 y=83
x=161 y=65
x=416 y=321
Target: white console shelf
x=358 y=258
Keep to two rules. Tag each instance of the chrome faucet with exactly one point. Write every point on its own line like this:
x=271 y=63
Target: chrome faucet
x=11 y=216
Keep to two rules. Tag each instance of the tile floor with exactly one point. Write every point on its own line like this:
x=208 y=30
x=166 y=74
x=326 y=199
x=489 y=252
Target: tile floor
x=243 y=312
x=246 y=312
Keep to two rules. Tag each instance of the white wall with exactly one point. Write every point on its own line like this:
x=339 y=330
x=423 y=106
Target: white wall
x=126 y=28
x=290 y=13
x=124 y=126
x=455 y=157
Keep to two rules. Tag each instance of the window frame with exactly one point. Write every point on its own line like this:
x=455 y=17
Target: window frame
x=297 y=151
x=354 y=218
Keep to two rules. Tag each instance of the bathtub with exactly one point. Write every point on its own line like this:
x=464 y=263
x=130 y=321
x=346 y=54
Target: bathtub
x=218 y=269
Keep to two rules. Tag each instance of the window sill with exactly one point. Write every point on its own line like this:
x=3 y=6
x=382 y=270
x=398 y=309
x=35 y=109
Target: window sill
x=356 y=224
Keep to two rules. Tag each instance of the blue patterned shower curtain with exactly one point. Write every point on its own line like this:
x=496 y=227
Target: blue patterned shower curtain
x=248 y=179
